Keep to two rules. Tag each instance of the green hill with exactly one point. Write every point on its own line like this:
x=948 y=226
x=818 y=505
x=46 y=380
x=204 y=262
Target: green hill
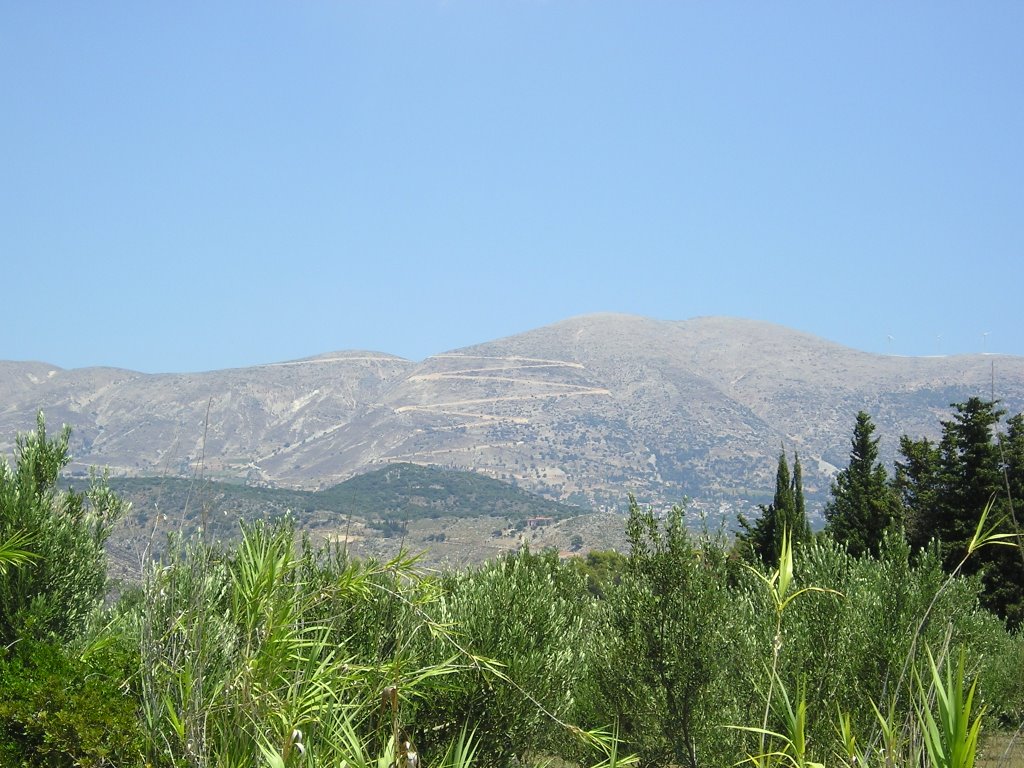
x=413 y=491
x=397 y=492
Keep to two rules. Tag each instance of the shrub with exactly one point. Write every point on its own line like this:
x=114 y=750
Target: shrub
x=248 y=653
x=673 y=650
x=53 y=594
x=867 y=647
x=58 y=710
x=861 y=648
x=535 y=617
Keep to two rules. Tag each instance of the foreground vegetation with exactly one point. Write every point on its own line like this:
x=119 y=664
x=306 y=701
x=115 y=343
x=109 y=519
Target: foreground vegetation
x=689 y=650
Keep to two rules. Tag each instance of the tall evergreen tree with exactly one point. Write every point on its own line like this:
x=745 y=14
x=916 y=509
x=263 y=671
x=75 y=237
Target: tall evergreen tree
x=916 y=483
x=1008 y=562
x=947 y=486
x=801 y=530
x=1012 y=456
x=863 y=505
x=763 y=538
x=970 y=467
x=967 y=476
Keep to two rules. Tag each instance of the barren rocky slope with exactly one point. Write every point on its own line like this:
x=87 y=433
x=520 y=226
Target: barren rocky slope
x=583 y=410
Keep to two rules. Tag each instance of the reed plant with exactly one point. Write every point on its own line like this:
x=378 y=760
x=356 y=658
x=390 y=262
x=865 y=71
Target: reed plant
x=239 y=654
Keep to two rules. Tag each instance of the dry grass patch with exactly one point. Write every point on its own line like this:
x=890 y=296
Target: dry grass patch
x=1000 y=749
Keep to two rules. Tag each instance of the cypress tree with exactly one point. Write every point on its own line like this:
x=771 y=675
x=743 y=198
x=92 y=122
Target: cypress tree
x=800 y=529
x=763 y=538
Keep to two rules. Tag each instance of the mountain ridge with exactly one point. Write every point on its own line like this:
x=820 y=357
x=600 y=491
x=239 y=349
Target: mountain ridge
x=583 y=410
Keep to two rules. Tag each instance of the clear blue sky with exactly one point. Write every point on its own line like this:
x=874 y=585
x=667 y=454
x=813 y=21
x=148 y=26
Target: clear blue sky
x=197 y=185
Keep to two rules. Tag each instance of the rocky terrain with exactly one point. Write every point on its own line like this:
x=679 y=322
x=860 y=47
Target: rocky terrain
x=584 y=411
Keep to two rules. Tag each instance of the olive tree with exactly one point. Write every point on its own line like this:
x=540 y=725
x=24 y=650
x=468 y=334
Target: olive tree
x=59 y=573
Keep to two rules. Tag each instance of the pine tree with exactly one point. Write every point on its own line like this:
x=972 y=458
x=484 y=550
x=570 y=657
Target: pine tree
x=1012 y=457
x=1008 y=562
x=863 y=505
x=964 y=479
x=947 y=486
x=916 y=484
x=969 y=467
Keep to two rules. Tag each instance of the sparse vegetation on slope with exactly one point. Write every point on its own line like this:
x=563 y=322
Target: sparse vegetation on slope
x=586 y=409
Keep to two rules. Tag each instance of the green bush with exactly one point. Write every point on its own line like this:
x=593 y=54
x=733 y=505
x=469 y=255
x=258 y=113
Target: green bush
x=602 y=569
x=868 y=644
x=55 y=593
x=58 y=710
x=675 y=656
x=1000 y=678
x=535 y=617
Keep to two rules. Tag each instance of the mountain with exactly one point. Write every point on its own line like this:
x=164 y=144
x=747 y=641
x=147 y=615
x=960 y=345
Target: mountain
x=147 y=424
x=584 y=410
